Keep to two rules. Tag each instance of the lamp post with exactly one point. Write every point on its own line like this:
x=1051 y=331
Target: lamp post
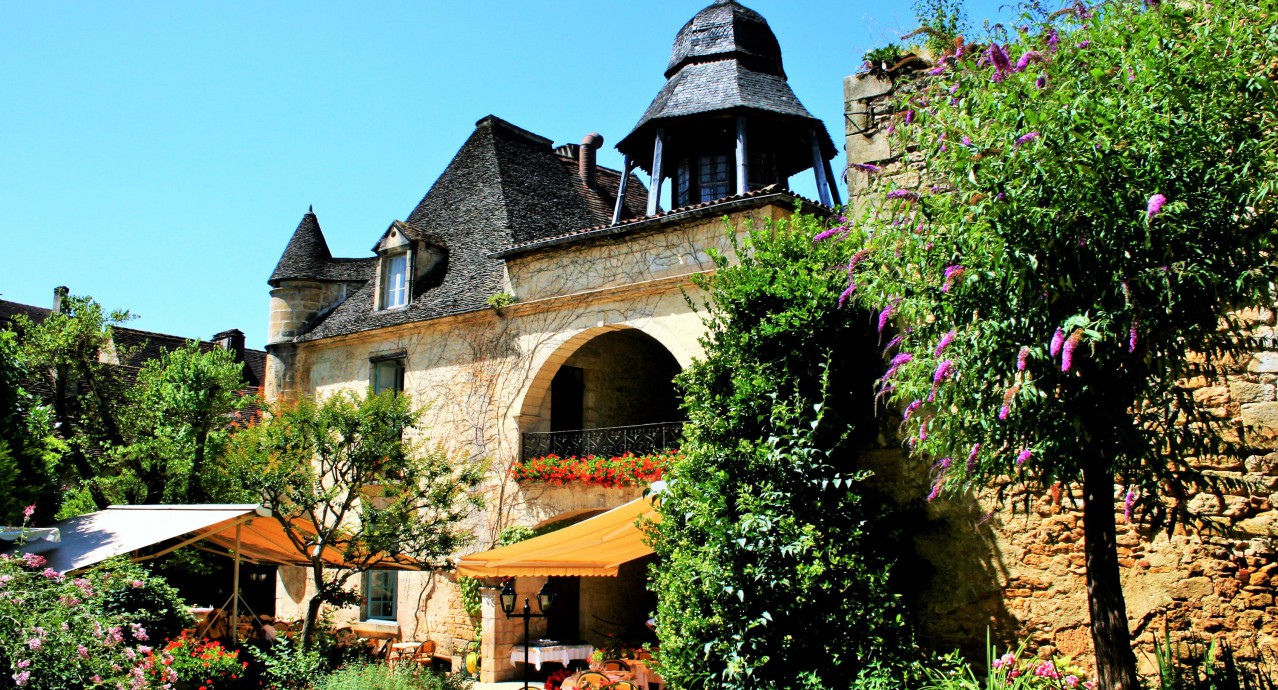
x=545 y=598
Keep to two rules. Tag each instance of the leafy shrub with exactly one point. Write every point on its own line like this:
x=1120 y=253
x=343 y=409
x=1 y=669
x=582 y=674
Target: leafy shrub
x=776 y=557
x=383 y=677
x=82 y=632
x=287 y=666
x=1011 y=671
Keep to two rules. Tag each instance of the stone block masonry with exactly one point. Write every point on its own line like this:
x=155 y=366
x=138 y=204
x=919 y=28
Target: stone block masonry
x=1016 y=567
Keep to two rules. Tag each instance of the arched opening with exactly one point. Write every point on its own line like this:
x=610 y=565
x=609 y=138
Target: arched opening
x=613 y=394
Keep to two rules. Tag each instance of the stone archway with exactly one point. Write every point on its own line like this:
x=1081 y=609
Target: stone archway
x=604 y=378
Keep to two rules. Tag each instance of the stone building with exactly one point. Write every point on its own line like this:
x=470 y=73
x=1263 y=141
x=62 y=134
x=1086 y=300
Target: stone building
x=534 y=300
x=1021 y=574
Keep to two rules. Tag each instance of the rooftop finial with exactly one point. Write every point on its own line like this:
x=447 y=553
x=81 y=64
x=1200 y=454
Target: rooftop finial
x=310 y=208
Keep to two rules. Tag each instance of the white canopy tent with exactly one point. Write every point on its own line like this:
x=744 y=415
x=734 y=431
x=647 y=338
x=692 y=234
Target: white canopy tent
x=244 y=531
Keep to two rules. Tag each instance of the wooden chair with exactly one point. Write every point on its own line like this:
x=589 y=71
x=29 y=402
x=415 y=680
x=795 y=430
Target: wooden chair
x=592 y=680
x=425 y=653
x=615 y=665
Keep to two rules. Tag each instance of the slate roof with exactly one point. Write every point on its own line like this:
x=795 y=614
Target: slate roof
x=505 y=186
x=724 y=60
x=143 y=346
x=771 y=194
x=307 y=258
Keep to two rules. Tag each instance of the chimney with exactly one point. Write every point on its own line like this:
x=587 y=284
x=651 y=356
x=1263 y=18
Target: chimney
x=59 y=293
x=586 y=157
x=232 y=340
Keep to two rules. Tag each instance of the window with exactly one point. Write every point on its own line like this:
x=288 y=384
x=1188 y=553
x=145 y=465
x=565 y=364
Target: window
x=380 y=589
x=394 y=281
x=388 y=375
x=703 y=178
x=713 y=177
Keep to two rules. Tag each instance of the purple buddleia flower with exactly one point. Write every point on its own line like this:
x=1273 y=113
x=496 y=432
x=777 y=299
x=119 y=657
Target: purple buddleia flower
x=971 y=457
x=866 y=167
x=897 y=362
x=944 y=464
x=1053 y=40
x=892 y=343
x=1003 y=412
x=1058 y=339
x=967 y=141
x=1129 y=502
x=911 y=408
x=909 y=116
x=857 y=258
x=1081 y=11
x=954 y=88
x=1067 y=356
x=886 y=315
x=1022 y=358
x=1133 y=336
x=998 y=57
x=1000 y=196
x=1028 y=57
x=1084 y=44
x=943 y=371
x=937 y=487
x=1023 y=456
x=1027 y=138
x=1156 y=204
x=903 y=194
x=923 y=430
x=843 y=297
x=837 y=230
x=945 y=342
x=891 y=128
x=1041 y=82
x=952 y=274
x=937 y=71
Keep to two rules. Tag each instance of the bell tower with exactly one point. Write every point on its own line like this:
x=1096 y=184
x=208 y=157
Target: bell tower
x=727 y=122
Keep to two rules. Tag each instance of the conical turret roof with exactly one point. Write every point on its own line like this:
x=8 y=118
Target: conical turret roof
x=307 y=257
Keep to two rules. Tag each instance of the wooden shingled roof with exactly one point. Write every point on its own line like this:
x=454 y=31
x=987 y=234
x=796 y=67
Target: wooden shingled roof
x=724 y=60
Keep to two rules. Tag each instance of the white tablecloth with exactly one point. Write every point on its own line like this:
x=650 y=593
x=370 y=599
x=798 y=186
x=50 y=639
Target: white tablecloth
x=560 y=653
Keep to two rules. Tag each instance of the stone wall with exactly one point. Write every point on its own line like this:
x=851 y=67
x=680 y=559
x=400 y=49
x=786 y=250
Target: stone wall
x=1016 y=568
x=484 y=378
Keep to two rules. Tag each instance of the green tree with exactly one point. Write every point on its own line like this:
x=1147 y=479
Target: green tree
x=64 y=353
x=348 y=466
x=775 y=559
x=178 y=416
x=1101 y=210
x=29 y=451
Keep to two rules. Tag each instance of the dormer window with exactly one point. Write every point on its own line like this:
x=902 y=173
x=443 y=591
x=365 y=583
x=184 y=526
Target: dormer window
x=394 y=276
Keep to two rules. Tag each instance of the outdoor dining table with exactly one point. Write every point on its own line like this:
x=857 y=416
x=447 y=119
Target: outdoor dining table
x=559 y=653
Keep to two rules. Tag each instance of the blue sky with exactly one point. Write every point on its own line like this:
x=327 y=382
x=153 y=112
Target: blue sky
x=158 y=155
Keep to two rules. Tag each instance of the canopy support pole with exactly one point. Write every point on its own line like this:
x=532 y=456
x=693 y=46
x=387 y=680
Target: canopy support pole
x=235 y=595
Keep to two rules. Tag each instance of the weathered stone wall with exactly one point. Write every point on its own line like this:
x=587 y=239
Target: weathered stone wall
x=484 y=378
x=1017 y=567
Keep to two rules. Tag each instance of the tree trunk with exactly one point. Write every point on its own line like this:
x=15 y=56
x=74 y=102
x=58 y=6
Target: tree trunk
x=1115 y=662
x=312 y=617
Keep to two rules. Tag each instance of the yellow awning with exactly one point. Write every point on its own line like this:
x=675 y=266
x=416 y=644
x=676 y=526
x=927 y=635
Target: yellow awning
x=594 y=547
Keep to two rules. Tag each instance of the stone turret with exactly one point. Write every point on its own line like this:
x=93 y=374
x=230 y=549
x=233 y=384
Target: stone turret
x=306 y=284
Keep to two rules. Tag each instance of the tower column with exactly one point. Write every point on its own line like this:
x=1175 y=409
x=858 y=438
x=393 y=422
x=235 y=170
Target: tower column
x=818 y=165
x=654 y=191
x=621 y=190
x=743 y=177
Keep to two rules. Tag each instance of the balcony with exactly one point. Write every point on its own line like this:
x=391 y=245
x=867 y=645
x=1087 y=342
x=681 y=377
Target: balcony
x=640 y=439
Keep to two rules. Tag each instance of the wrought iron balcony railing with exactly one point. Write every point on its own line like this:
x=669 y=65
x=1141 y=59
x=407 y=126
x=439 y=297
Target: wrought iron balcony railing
x=640 y=439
